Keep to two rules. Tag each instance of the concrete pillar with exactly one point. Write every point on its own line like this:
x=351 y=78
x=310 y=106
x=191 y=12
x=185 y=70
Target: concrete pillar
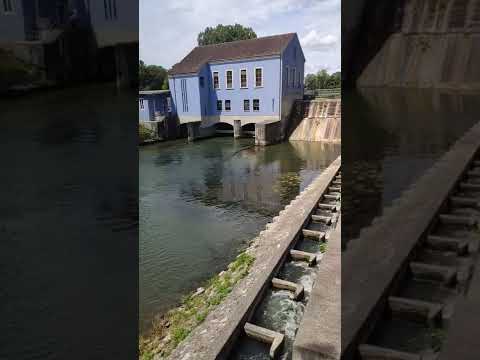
x=193 y=129
x=237 y=129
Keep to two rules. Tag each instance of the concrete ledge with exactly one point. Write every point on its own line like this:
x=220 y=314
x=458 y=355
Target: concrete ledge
x=267 y=336
x=370 y=352
x=304 y=256
x=415 y=309
x=318 y=336
x=297 y=289
x=215 y=337
x=373 y=260
x=268 y=132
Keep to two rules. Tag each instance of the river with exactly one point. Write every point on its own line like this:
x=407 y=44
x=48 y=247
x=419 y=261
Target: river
x=391 y=138
x=200 y=204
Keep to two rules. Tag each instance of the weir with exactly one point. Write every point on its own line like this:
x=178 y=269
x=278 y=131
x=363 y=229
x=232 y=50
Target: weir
x=237 y=317
x=412 y=282
x=316 y=120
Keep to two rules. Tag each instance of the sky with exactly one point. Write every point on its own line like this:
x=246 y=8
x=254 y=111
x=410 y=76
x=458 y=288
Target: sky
x=169 y=28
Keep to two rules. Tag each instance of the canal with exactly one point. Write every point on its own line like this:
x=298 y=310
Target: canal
x=391 y=138
x=201 y=203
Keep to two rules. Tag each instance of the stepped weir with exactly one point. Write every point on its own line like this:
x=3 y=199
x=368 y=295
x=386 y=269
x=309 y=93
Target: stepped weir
x=316 y=120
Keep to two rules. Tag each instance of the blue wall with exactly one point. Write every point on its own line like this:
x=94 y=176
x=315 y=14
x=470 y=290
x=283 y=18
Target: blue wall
x=151 y=104
x=292 y=58
x=186 y=97
x=268 y=95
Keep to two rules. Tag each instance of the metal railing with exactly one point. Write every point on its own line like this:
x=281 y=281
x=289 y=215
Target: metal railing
x=324 y=93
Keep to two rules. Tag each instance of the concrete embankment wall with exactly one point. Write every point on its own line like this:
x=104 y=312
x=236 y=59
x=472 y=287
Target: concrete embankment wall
x=372 y=262
x=216 y=336
x=438 y=45
x=316 y=120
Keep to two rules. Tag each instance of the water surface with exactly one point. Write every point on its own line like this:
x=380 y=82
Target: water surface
x=201 y=203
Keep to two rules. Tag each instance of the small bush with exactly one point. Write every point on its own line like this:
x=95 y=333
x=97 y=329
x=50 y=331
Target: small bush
x=144 y=133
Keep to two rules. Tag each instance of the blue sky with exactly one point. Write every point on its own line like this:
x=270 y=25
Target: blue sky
x=169 y=29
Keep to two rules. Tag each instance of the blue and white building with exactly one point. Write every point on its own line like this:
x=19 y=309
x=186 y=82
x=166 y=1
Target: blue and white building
x=154 y=105
x=247 y=82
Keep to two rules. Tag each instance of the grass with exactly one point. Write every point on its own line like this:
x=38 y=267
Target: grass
x=172 y=328
x=323 y=247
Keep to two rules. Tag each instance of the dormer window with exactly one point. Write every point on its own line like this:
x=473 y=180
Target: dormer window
x=229 y=79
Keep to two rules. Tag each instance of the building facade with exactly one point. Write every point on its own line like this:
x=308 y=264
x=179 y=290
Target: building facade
x=154 y=105
x=250 y=81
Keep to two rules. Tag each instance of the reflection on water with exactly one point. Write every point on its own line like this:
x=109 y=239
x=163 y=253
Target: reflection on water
x=68 y=159
x=393 y=137
x=201 y=202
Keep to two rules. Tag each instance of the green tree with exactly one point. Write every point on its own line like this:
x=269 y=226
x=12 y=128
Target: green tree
x=152 y=77
x=225 y=33
x=323 y=80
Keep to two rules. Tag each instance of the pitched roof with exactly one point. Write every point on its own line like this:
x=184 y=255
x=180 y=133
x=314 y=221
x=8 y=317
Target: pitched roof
x=242 y=49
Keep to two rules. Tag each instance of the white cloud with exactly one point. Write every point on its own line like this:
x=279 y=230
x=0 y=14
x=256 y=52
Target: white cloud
x=169 y=29
x=318 y=42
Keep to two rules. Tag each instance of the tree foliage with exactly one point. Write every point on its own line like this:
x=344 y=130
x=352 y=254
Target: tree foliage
x=152 y=77
x=225 y=33
x=323 y=80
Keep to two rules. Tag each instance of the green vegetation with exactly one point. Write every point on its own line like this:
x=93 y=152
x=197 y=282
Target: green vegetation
x=323 y=247
x=225 y=33
x=152 y=77
x=144 y=133
x=172 y=328
x=323 y=80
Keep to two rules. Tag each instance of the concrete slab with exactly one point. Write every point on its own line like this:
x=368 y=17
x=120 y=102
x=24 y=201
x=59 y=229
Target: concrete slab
x=318 y=336
x=275 y=339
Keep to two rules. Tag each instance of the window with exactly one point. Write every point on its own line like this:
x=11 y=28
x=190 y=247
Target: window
x=256 y=105
x=8 y=6
x=258 y=77
x=293 y=77
x=243 y=79
x=216 y=83
x=229 y=79
x=219 y=105
x=227 y=105
x=169 y=104
x=298 y=80
x=202 y=81
x=183 y=84
x=141 y=104
x=110 y=8
x=246 y=105
x=295 y=52
x=287 y=73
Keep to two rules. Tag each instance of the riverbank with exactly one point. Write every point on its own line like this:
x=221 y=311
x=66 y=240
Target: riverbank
x=170 y=329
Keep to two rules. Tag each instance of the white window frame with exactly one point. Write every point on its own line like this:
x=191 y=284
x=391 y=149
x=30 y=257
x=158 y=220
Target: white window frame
x=142 y=106
x=255 y=77
x=225 y=105
x=226 y=80
x=248 y=110
x=287 y=71
x=294 y=73
x=213 y=80
x=240 y=78
x=12 y=5
x=253 y=105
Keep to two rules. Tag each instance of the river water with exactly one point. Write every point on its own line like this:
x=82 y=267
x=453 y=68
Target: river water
x=201 y=203
x=391 y=138
x=69 y=225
